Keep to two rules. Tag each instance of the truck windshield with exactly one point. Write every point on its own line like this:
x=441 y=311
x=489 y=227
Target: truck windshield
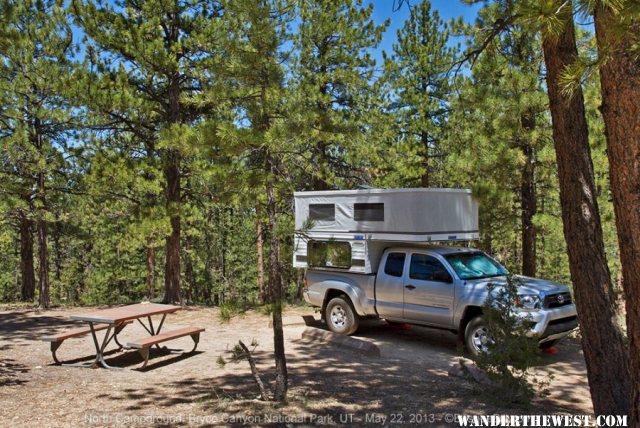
x=475 y=265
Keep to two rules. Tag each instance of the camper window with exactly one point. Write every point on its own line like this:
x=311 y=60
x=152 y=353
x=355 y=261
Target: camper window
x=368 y=212
x=322 y=212
x=329 y=254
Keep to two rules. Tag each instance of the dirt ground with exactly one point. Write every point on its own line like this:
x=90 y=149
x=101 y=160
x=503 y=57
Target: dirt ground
x=408 y=384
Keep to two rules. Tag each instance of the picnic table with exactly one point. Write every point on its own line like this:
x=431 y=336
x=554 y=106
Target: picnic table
x=114 y=320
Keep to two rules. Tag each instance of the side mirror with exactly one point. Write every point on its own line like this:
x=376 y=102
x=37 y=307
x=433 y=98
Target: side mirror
x=442 y=276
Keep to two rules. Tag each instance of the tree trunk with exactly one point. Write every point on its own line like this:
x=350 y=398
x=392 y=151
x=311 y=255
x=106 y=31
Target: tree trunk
x=172 y=289
x=43 y=259
x=57 y=259
x=151 y=272
x=189 y=274
x=528 y=199
x=28 y=277
x=300 y=285
x=602 y=339
x=424 y=140
x=275 y=289
x=260 y=250
x=319 y=179
x=620 y=83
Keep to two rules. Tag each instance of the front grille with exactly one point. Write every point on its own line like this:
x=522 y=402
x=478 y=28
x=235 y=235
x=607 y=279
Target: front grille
x=557 y=300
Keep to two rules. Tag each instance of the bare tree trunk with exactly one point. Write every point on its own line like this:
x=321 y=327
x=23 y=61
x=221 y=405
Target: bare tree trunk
x=172 y=288
x=424 y=139
x=275 y=290
x=319 y=179
x=151 y=272
x=57 y=258
x=188 y=270
x=602 y=340
x=27 y=271
x=260 y=250
x=620 y=83
x=300 y=284
x=43 y=258
x=528 y=200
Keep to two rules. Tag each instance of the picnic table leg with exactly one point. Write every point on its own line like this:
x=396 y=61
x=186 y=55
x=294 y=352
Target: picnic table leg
x=105 y=342
x=151 y=330
x=95 y=362
x=144 y=352
x=99 y=348
x=117 y=331
x=54 y=348
x=196 y=339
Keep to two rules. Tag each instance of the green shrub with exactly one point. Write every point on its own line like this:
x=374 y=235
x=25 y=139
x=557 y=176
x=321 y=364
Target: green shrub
x=511 y=352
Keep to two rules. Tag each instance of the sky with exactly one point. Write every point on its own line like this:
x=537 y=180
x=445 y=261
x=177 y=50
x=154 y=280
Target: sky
x=383 y=9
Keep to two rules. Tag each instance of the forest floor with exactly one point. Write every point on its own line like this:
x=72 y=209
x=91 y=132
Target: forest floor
x=329 y=385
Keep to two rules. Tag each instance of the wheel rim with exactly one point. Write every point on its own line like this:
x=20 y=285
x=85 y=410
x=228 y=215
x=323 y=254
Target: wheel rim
x=481 y=340
x=338 y=317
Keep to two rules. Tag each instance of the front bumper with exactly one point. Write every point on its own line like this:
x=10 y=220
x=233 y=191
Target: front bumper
x=552 y=324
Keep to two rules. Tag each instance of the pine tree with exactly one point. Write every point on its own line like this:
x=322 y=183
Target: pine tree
x=418 y=76
x=498 y=140
x=153 y=61
x=259 y=30
x=582 y=228
x=333 y=91
x=617 y=27
x=36 y=125
x=594 y=294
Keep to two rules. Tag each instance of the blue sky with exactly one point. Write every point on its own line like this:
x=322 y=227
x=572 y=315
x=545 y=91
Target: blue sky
x=447 y=9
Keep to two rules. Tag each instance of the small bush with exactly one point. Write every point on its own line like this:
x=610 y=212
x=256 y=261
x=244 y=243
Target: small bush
x=511 y=352
x=232 y=308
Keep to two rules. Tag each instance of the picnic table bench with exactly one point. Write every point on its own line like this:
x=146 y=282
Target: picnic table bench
x=113 y=320
x=59 y=338
x=143 y=345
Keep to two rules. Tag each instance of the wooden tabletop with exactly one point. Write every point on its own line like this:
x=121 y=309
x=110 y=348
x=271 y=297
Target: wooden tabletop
x=125 y=313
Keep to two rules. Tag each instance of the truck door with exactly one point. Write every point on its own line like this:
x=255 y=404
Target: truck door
x=389 y=286
x=428 y=291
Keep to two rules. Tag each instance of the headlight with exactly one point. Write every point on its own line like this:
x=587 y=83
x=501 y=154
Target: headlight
x=530 y=302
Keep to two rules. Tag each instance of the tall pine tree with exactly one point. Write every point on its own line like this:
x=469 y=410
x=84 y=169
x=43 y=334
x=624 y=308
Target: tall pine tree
x=418 y=76
x=37 y=121
x=333 y=76
x=153 y=61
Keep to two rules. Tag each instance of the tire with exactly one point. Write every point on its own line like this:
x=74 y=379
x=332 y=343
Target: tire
x=340 y=316
x=548 y=344
x=476 y=336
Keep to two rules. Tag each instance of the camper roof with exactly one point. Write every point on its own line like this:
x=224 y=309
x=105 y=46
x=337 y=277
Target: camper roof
x=409 y=215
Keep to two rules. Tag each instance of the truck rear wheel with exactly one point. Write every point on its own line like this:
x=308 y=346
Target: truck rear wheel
x=340 y=316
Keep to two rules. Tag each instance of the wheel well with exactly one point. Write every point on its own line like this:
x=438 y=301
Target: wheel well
x=330 y=295
x=470 y=312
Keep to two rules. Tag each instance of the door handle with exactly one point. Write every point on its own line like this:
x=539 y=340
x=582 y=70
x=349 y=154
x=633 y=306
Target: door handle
x=410 y=287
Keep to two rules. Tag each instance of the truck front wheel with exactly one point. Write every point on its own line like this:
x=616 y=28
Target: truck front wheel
x=476 y=336
x=340 y=316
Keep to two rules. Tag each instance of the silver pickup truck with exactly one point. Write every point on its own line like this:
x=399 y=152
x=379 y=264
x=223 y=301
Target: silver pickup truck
x=437 y=286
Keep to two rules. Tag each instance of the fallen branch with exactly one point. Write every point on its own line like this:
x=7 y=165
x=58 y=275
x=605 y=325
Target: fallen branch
x=264 y=392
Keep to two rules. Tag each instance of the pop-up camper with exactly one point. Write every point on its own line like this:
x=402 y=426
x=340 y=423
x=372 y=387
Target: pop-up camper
x=349 y=229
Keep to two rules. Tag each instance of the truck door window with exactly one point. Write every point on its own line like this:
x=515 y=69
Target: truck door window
x=395 y=264
x=427 y=268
